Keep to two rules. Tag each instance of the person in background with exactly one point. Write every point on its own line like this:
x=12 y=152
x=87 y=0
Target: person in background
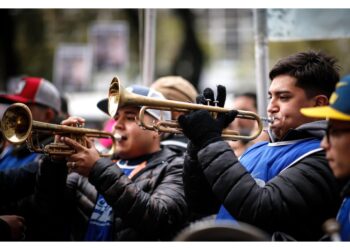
x=136 y=196
x=283 y=186
x=20 y=217
x=175 y=88
x=245 y=102
x=44 y=102
x=336 y=143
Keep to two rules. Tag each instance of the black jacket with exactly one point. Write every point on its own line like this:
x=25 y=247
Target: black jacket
x=27 y=191
x=297 y=201
x=150 y=206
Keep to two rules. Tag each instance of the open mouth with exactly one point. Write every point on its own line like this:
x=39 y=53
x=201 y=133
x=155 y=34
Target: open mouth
x=119 y=137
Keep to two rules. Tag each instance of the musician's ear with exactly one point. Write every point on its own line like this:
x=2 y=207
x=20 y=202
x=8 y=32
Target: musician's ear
x=321 y=100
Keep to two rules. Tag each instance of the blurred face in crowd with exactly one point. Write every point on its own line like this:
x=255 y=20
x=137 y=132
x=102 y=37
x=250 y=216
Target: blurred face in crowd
x=337 y=146
x=135 y=141
x=41 y=113
x=286 y=99
x=247 y=104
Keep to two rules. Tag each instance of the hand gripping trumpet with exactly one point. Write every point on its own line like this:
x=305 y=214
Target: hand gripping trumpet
x=119 y=97
x=18 y=126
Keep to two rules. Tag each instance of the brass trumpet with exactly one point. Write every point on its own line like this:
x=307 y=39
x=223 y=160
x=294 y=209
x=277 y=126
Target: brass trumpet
x=119 y=97
x=18 y=126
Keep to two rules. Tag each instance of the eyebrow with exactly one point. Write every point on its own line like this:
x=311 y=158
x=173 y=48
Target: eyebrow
x=127 y=113
x=280 y=92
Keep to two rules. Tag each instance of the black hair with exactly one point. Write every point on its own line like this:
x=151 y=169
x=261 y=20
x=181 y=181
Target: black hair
x=64 y=105
x=250 y=95
x=316 y=72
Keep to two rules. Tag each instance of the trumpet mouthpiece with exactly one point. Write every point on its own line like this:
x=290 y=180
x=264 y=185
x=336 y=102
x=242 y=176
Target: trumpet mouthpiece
x=268 y=119
x=117 y=137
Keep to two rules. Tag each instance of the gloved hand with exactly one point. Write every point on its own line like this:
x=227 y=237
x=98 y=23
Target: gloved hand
x=208 y=96
x=200 y=127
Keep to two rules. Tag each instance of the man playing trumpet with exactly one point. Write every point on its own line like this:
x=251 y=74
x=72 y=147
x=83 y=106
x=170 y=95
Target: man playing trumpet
x=283 y=186
x=136 y=196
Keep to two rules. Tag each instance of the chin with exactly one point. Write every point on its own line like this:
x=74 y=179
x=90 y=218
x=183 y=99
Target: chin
x=277 y=132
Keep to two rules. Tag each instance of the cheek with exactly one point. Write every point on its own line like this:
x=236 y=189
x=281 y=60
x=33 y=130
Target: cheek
x=340 y=154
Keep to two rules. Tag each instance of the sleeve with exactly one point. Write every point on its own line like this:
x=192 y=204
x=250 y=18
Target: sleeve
x=21 y=182
x=297 y=201
x=198 y=193
x=48 y=216
x=162 y=209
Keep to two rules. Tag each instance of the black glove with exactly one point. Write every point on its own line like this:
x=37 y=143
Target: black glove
x=200 y=127
x=208 y=96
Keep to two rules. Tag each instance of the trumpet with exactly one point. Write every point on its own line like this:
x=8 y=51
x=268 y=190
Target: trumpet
x=119 y=97
x=18 y=126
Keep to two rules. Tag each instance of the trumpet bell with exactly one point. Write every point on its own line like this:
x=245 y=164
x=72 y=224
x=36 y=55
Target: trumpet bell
x=16 y=121
x=114 y=97
x=18 y=126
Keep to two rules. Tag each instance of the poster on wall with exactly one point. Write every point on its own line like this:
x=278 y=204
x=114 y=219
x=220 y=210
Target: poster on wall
x=73 y=67
x=110 y=44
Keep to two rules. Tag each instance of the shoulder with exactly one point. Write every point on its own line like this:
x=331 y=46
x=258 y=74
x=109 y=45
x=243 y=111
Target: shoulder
x=166 y=161
x=314 y=166
x=169 y=156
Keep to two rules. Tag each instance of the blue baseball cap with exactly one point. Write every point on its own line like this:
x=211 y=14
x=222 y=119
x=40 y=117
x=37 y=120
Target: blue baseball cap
x=339 y=108
x=144 y=91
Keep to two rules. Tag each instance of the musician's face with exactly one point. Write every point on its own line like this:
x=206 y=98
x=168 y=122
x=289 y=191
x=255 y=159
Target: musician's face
x=135 y=141
x=286 y=99
x=40 y=113
x=337 y=147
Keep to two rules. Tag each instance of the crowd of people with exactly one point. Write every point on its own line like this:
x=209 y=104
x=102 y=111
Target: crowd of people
x=287 y=183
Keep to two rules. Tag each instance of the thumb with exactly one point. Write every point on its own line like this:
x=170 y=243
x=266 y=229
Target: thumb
x=89 y=143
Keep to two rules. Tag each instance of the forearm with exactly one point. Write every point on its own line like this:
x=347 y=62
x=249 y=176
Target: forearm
x=160 y=207
x=198 y=193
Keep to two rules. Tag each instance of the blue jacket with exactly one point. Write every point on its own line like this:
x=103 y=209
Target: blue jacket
x=273 y=158
x=12 y=157
x=343 y=216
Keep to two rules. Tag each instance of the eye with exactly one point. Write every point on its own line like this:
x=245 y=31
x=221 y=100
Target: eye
x=131 y=117
x=284 y=97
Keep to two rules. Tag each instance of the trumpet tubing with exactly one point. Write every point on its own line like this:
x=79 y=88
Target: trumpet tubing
x=119 y=97
x=18 y=126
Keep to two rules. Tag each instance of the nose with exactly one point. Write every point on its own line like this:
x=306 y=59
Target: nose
x=272 y=107
x=119 y=123
x=325 y=143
